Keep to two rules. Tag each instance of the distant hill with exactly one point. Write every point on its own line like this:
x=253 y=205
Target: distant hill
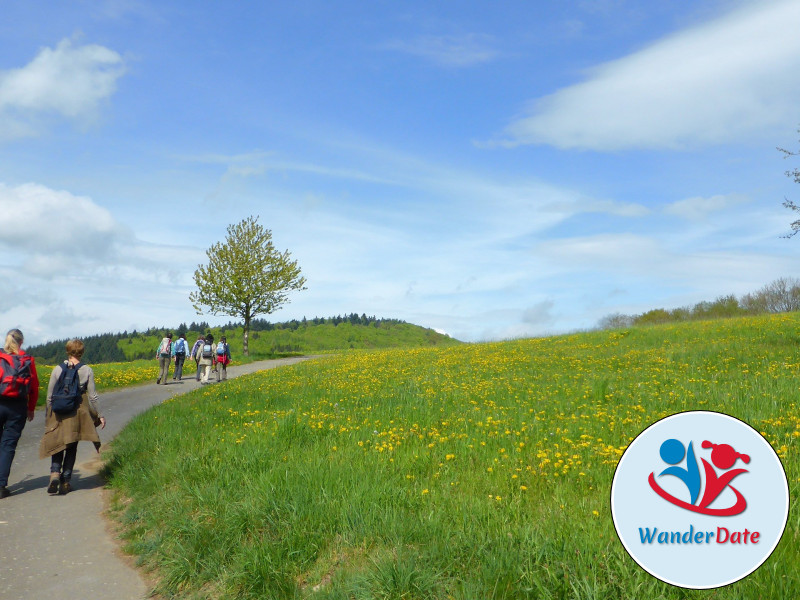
x=266 y=339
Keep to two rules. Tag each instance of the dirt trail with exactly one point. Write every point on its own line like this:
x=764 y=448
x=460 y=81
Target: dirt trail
x=59 y=547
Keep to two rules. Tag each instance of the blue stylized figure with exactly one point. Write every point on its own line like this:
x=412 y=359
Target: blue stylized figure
x=672 y=452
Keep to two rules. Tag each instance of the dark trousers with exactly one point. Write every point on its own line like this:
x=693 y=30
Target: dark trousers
x=179 y=360
x=12 y=421
x=63 y=462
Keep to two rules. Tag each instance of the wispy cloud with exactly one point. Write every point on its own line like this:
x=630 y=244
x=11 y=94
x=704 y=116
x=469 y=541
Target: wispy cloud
x=729 y=79
x=251 y=164
x=67 y=81
x=626 y=257
x=463 y=50
x=698 y=208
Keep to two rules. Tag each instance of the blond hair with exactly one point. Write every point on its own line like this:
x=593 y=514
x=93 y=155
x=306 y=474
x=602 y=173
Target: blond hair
x=14 y=339
x=75 y=348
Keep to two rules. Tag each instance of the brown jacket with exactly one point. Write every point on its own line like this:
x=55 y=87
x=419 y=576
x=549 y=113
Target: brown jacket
x=60 y=430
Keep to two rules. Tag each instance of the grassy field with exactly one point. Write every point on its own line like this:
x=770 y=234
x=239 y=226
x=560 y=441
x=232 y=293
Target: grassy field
x=471 y=472
x=307 y=338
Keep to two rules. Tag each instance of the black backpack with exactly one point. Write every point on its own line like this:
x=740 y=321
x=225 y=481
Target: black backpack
x=68 y=391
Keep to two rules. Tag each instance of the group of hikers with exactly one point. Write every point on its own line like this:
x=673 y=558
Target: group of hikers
x=72 y=413
x=207 y=355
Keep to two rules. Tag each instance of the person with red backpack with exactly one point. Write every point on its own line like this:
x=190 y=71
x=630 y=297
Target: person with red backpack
x=19 y=393
x=223 y=355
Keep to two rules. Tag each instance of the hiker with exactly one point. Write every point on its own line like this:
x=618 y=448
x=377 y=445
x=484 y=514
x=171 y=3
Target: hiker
x=179 y=352
x=164 y=356
x=205 y=357
x=200 y=341
x=19 y=393
x=223 y=356
x=72 y=415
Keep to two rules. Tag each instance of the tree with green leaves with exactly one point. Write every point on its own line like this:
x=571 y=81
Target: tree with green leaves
x=245 y=276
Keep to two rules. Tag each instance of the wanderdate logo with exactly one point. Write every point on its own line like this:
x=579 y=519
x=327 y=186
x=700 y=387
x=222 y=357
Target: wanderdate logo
x=723 y=457
x=699 y=499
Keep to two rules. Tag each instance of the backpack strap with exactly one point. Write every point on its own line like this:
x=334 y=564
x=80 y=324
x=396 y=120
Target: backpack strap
x=83 y=386
x=77 y=366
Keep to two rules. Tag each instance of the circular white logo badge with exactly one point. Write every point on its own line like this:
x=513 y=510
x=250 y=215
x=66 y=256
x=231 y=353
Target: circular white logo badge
x=699 y=499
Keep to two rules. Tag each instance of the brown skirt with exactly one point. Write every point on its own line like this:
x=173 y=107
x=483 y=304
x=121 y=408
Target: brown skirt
x=60 y=430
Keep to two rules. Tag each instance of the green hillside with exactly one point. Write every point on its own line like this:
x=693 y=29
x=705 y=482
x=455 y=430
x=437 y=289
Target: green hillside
x=267 y=340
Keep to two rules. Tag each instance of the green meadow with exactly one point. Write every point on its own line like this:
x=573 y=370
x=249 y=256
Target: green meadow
x=476 y=471
x=298 y=337
x=284 y=339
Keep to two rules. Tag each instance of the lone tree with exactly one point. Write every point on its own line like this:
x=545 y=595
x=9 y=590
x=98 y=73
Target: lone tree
x=245 y=276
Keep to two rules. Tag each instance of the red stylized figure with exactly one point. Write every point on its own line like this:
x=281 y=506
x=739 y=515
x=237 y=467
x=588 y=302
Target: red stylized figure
x=724 y=457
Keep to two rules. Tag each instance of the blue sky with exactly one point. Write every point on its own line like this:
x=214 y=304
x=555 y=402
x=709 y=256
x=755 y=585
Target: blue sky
x=488 y=169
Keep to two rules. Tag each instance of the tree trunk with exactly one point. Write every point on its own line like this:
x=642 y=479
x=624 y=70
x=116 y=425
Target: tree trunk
x=245 y=346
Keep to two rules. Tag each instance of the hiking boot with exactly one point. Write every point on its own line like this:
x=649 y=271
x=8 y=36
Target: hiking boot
x=4 y=492
x=65 y=488
x=52 y=489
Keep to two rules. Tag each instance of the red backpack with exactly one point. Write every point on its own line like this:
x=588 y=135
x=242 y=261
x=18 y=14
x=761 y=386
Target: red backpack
x=15 y=375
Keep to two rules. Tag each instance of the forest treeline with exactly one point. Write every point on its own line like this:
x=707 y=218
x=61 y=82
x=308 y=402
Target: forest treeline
x=106 y=347
x=782 y=295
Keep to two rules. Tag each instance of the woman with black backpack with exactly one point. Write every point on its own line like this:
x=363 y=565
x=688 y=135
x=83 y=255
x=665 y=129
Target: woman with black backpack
x=72 y=415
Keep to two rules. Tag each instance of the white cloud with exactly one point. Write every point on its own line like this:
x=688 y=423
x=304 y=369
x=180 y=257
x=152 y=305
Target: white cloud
x=450 y=50
x=13 y=291
x=607 y=252
x=121 y=9
x=539 y=314
x=637 y=261
x=54 y=232
x=251 y=164
x=73 y=258
x=698 y=208
x=732 y=78
x=46 y=222
x=610 y=207
x=68 y=81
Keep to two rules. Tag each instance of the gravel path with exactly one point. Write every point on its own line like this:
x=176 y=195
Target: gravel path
x=60 y=547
